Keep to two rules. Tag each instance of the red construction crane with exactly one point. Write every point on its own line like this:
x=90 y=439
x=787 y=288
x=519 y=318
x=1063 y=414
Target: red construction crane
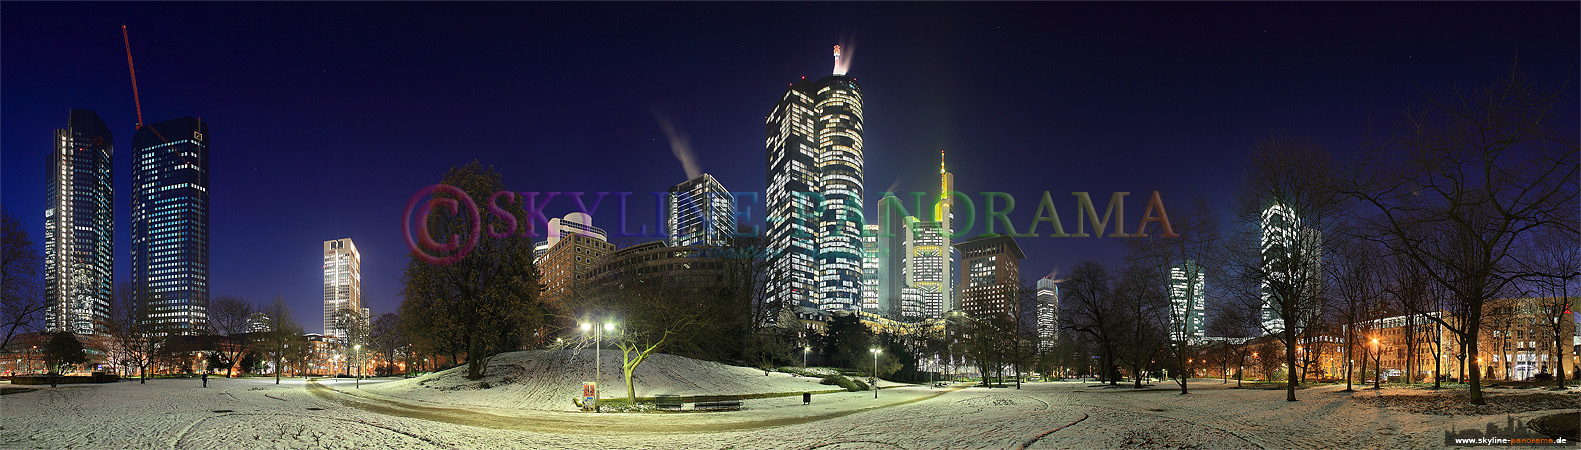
x=133 y=70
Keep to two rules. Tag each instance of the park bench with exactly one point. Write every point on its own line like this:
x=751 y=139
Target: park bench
x=667 y=402
x=716 y=402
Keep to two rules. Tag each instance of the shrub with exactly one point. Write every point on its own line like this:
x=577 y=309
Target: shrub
x=1543 y=376
x=844 y=382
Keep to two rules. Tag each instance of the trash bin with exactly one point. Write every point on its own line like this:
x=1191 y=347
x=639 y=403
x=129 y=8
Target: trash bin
x=806 y=398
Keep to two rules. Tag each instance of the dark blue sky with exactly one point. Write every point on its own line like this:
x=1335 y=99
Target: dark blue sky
x=326 y=117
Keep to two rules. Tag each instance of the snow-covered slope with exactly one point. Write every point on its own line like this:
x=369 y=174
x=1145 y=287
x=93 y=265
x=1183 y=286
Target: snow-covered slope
x=550 y=379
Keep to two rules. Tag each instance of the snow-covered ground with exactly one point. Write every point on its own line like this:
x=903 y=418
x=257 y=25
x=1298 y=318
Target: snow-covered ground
x=550 y=379
x=255 y=413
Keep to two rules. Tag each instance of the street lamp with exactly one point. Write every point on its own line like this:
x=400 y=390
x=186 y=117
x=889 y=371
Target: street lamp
x=597 y=360
x=1377 y=365
x=875 y=351
x=804 y=351
x=357 y=355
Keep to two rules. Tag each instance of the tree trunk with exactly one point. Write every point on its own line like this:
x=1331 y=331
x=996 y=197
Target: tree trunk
x=474 y=363
x=1290 y=363
x=1559 y=362
x=1350 y=357
x=1476 y=376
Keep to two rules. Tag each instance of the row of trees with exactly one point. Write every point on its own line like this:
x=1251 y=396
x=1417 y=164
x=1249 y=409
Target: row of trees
x=1469 y=198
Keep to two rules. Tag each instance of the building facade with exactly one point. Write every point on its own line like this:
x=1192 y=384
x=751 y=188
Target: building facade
x=693 y=267
x=814 y=146
x=889 y=240
x=79 y=231
x=342 y=287
x=991 y=277
x=927 y=263
x=1048 y=313
x=870 y=269
x=1186 y=301
x=1292 y=265
x=574 y=245
x=700 y=212
x=170 y=223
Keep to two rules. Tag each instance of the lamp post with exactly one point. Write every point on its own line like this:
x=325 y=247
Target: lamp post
x=1377 y=365
x=804 y=351
x=356 y=354
x=597 y=360
x=875 y=352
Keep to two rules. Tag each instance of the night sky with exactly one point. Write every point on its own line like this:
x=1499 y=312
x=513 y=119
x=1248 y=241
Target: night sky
x=326 y=117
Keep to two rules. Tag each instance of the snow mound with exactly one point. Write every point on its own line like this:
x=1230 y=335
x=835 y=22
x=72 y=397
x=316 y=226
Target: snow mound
x=550 y=379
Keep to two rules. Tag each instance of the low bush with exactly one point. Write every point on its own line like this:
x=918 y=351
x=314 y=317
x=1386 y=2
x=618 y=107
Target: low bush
x=844 y=382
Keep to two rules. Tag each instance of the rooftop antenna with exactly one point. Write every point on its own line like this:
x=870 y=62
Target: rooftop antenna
x=837 y=69
x=130 y=68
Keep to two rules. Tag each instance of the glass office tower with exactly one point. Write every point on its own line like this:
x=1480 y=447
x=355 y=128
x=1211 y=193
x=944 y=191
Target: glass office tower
x=170 y=223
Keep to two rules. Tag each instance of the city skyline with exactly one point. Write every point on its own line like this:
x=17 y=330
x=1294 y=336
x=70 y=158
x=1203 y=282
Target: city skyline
x=1048 y=124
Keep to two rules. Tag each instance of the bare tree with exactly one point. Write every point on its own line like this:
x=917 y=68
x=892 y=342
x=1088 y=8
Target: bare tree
x=228 y=317
x=1144 y=316
x=1092 y=312
x=1234 y=324
x=1466 y=179
x=130 y=330
x=1558 y=256
x=282 y=339
x=1286 y=205
x=1192 y=253
x=1354 y=269
x=386 y=337
x=21 y=280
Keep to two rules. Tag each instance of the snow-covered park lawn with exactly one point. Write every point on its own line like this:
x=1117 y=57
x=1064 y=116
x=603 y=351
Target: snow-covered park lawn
x=255 y=413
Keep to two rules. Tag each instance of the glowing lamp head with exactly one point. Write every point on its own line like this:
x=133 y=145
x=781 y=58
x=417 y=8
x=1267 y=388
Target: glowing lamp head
x=609 y=326
x=586 y=326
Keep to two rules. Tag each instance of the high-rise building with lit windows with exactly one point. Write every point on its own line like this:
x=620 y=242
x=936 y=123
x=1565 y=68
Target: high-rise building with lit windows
x=342 y=286
x=1048 y=312
x=927 y=265
x=700 y=212
x=814 y=146
x=79 y=229
x=1186 y=301
x=1292 y=262
x=991 y=279
x=170 y=223
x=870 y=263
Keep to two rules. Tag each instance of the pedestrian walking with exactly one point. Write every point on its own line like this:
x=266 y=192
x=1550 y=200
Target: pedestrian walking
x=205 y=379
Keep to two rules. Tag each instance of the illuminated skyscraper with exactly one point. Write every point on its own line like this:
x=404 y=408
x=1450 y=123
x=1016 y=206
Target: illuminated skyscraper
x=870 y=268
x=342 y=286
x=926 y=265
x=1048 y=312
x=814 y=147
x=1292 y=260
x=79 y=229
x=991 y=277
x=170 y=223
x=1186 y=301
x=944 y=216
x=700 y=211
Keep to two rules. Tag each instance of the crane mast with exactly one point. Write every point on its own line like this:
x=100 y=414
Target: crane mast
x=130 y=68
